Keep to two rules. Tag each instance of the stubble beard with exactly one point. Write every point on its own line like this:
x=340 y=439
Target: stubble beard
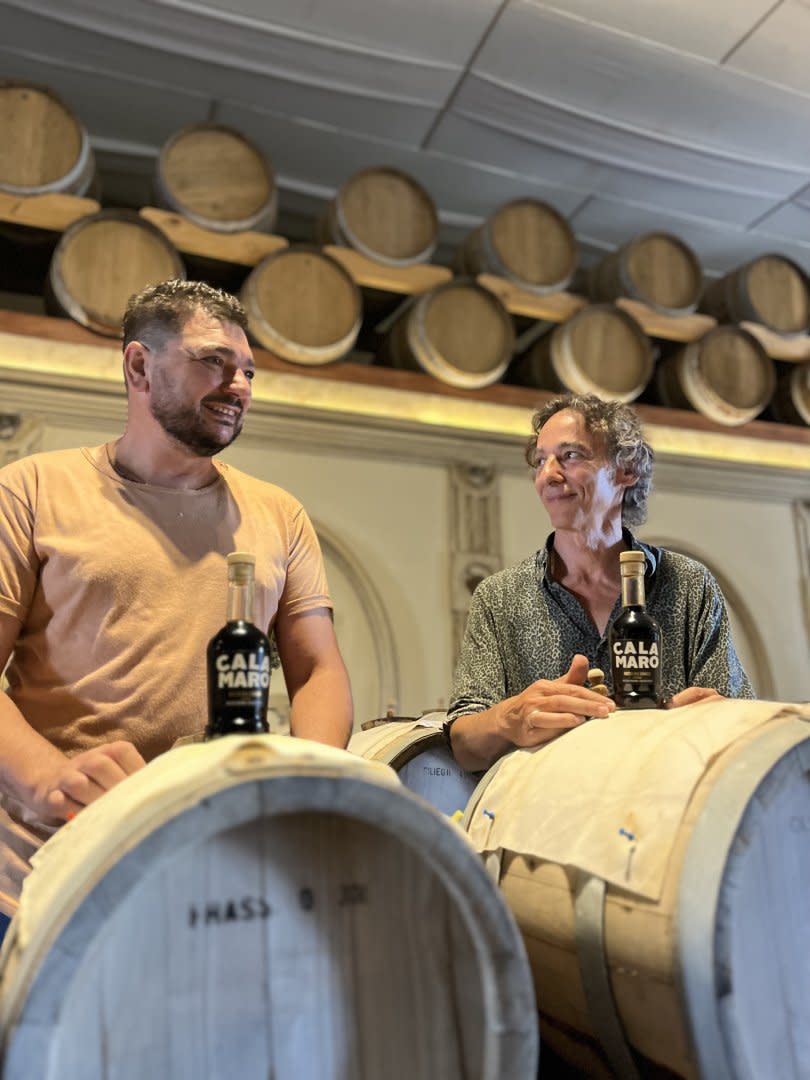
x=186 y=425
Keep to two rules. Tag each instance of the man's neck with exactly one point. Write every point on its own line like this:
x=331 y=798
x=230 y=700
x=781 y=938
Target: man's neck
x=583 y=559
x=165 y=466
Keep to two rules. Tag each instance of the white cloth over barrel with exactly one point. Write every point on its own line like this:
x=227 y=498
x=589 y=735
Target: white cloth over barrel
x=103 y=831
x=608 y=797
x=366 y=742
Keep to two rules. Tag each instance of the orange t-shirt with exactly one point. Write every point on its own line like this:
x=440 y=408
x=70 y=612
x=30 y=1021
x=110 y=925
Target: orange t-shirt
x=119 y=587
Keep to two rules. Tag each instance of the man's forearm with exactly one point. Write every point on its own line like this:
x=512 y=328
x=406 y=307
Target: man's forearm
x=26 y=757
x=322 y=708
x=477 y=740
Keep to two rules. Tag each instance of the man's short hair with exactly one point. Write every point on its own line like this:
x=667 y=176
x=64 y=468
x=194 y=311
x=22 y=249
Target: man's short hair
x=625 y=445
x=164 y=309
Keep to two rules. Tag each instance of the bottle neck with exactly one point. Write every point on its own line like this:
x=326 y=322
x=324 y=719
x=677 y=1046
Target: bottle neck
x=240 y=601
x=633 y=590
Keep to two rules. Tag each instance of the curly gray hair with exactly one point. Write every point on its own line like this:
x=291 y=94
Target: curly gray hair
x=625 y=445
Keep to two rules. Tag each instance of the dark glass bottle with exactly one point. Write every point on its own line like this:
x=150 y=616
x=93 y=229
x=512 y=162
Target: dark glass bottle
x=634 y=640
x=238 y=660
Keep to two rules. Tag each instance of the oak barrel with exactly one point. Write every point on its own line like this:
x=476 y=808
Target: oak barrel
x=382 y=213
x=600 y=350
x=101 y=260
x=657 y=268
x=459 y=332
x=790 y=403
x=44 y=149
x=726 y=375
x=303 y=306
x=217 y=178
x=657 y=867
x=417 y=749
x=525 y=241
x=263 y=906
x=771 y=290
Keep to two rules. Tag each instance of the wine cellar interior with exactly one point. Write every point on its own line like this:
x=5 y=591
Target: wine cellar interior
x=438 y=215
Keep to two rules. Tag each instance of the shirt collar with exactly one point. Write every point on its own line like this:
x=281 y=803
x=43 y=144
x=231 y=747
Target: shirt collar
x=633 y=544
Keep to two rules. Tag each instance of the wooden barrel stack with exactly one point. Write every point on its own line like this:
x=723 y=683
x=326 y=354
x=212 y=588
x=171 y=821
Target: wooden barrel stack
x=791 y=402
x=303 y=306
x=217 y=178
x=599 y=350
x=770 y=290
x=384 y=214
x=459 y=332
x=307 y=309
x=525 y=241
x=726 y=375
x=656 y=268
x=44 y=149
x=100 y=261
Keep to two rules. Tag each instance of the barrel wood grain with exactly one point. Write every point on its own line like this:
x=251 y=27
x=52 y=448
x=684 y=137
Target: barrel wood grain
x=218 y=178
x=44 y=146
x=260 y=909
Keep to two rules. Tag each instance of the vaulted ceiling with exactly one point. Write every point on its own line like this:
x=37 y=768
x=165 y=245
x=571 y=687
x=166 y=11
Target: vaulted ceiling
x=690 y=116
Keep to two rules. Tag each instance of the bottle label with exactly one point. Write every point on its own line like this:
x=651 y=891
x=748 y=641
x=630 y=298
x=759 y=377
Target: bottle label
x=635 y=655
x=240 y=671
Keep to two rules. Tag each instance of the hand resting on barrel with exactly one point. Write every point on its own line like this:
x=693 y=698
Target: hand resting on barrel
x=542 y=712
x=80 y=780
x=691 y=696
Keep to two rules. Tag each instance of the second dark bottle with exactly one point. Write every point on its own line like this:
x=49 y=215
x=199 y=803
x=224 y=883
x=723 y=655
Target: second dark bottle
x=634 y=640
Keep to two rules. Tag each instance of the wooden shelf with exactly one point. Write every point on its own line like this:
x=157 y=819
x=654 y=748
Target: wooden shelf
x=546 y=307
x=53 y=212
x=406 y=280
x=243 y=248
x=793 y=350
x=681 y=328
x=57 y=212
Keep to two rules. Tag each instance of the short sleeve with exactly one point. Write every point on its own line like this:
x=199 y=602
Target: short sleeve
x=306 y=587
x=480 y=677
x=19 y=563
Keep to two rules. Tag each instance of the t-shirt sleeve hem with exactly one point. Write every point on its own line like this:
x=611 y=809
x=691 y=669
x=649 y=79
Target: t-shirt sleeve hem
x=309 y=603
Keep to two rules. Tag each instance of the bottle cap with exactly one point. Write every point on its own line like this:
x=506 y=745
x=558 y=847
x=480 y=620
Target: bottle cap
x=632 y=557
x=241 y=567
x=241 y=557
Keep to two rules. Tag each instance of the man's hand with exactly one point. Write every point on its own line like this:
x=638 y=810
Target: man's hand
x=543 y=711
x=691 y=696
x=80 y=780
x=550 y=707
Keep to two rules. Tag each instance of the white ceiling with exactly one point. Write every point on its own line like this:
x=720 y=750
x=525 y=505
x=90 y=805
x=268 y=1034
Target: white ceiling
x=627 y=115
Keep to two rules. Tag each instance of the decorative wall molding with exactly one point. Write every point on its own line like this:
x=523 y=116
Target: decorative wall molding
x=801 y=516
x=20 y=435
x=475 y=537
x=74 y=400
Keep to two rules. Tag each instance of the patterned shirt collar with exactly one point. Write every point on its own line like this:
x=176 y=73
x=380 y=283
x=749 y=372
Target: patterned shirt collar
x=651 y=554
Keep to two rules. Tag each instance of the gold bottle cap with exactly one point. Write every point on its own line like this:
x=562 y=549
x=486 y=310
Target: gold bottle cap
x=632 y=557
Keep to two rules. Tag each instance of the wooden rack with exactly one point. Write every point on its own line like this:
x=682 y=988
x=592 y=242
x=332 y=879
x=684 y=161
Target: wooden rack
x=57 y=212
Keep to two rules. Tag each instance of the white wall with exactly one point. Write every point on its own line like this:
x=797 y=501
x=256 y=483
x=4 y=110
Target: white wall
x=382 y=509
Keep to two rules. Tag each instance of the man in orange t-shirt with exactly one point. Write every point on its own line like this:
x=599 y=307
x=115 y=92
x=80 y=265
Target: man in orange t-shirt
x=112 y=577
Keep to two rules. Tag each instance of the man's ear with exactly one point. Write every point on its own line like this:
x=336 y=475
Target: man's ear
x=136 y=367
x=625 y=478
